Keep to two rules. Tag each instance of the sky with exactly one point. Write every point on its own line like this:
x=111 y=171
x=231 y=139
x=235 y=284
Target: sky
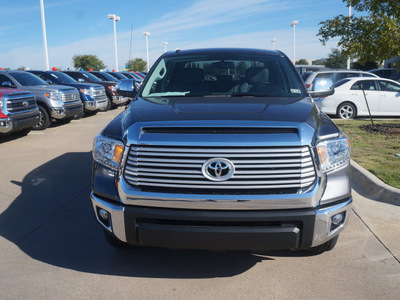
x=77 y=27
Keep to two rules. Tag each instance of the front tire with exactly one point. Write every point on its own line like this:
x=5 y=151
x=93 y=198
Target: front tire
x=347 y=111
x=44 y=119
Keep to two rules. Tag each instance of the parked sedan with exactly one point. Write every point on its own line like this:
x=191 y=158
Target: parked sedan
x=348 y=101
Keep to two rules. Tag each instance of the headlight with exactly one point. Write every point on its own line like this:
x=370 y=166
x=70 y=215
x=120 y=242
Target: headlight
x=333 y=153
x=113 y=88
x=85 y=91
x=137 y=85
x=107 y=152
x=52 y=95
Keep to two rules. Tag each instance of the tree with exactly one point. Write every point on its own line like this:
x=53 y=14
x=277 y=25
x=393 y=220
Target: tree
x=302 y=61
x=136 y=64
x=365 y=67
x=374 y=36
x=88 y=61
x=336 y=60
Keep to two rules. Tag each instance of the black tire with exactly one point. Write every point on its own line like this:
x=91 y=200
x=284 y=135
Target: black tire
x=328 y=246
x=108 y=107
x=347 y=111
x=44 y=119
x=114 y=241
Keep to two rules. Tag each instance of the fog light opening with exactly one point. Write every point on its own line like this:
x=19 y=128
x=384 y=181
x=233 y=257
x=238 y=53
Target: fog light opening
x=337 y=220
x=104 y=217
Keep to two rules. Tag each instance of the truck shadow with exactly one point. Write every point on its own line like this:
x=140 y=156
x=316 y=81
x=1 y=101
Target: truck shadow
x=52 y=221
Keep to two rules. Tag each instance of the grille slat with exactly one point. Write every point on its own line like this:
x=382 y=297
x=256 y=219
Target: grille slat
x=261 y=168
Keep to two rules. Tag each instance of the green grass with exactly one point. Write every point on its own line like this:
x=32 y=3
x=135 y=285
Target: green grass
x=376 y=153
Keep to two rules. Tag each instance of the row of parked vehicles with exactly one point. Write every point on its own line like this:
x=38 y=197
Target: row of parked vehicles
x=357 y=93
x=33 y=99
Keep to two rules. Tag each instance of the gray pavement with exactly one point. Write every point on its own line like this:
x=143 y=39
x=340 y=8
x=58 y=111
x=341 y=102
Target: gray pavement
x=52 y=248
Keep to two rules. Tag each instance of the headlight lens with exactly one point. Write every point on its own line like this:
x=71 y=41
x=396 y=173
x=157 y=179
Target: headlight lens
x=107 y=152
x=86 y=91
x=52 y=95
x=333 y=153
x=114 y=88
x=137 y=85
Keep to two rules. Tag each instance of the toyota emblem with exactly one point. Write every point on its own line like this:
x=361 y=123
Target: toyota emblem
x=25 y=103
x=218 y=169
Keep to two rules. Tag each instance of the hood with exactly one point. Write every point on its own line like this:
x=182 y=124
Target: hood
x=241 y=108
x=48 y=88
x=4 y=91
x=82 y=85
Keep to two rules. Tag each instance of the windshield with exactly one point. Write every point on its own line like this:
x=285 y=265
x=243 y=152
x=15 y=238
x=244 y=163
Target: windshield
x=104 y=76
x=118 y=75
x=27 y=79
x=61 y=78
x=213 y=76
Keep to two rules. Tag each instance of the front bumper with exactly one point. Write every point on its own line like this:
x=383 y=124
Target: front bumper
x=15 y=123
x=222 y=230
x=66 y=111
x=118 y=100
x=96 y=104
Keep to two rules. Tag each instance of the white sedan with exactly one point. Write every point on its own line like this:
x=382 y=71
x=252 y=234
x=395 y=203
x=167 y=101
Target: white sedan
x=348 y=101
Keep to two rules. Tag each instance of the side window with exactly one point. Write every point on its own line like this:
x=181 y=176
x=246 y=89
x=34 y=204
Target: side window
x=324 y=76
x=4 y=78
x=367 y=85
x=389 y=86
x=341 y=75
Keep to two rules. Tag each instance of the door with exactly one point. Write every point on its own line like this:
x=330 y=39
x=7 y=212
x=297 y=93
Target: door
x=389 y=98
x=371 y=93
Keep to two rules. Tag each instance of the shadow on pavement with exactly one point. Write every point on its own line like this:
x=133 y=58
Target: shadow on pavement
x=53 y=221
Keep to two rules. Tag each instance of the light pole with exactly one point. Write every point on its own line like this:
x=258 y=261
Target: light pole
x=115 y=18
x=147 y=34
x=348 y=59
x=293 y=24
x=165 y=46
x=273 y=43
x=46 y=55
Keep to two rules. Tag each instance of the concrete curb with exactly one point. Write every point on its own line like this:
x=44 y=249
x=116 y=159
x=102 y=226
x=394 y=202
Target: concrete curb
x=364 y=181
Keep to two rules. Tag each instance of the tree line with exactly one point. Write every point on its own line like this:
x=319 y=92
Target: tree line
x=89 y=61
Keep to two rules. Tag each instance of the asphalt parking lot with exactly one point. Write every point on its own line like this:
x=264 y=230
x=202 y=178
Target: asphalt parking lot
x=52 y=248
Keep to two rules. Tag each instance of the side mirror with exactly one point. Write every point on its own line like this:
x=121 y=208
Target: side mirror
x=322 y=87
x=81 y=80
x=8 y=84
x=49 y=81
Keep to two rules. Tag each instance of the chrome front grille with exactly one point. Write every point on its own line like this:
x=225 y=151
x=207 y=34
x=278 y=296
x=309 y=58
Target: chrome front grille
x=69 y=95
x=98 y=91
x=20 y=102
x=266 y=169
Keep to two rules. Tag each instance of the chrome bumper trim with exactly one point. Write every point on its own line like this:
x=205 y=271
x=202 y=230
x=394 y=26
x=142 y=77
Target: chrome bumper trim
x=322 y=232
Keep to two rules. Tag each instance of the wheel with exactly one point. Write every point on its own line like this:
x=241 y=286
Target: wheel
x=108 y=107
x=114 y=241
x=44 y=119
x=346 y=111
x=328 y=246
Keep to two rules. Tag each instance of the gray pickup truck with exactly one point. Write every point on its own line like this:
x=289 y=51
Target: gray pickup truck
x=18 y=111
x=223 y=149
x=54 y=101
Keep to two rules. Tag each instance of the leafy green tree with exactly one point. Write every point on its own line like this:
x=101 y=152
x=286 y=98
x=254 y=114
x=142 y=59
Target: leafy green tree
x=336 y=60
x=302 y=61
x=21 y=68
x=136 y=64
x=373 y=36
x=88 y=61
x=365 y=67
